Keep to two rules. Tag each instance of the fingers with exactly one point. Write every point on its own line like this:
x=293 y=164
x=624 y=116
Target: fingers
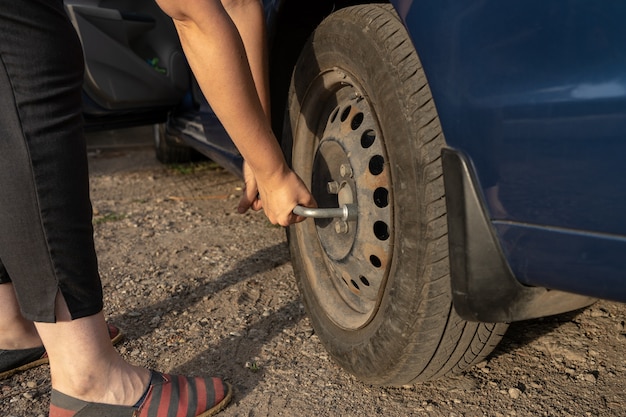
x=248 y=200
x=281 y=219
x=244 y=204
x=277 y=198
x=257 y=204
x=288 y=219
x=296 y=219
x=293 y=218
x=305 y=200
x=250 y=197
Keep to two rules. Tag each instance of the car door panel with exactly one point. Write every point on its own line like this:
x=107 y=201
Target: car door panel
x=133 y=59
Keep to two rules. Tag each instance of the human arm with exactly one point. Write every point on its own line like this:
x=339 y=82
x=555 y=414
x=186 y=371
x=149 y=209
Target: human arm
x=217 y=56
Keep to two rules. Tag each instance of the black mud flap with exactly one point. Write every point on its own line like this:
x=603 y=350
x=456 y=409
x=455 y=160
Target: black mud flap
x=483 y=287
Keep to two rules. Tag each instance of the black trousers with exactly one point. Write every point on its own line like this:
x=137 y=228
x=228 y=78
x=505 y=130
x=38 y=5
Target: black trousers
x=46 y=233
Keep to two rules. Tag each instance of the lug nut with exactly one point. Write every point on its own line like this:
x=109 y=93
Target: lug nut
x=341 y=227
x=346 y=171
x=333 y=187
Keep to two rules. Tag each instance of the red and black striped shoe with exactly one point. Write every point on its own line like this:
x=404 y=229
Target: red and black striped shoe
x=18 y=360
x=166 y=396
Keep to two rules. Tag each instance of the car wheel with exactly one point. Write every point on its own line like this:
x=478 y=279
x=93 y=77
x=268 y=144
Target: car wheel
x=168 y=150
x=362 y=128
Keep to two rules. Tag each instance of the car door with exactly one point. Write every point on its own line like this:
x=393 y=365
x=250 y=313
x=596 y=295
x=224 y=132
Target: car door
x=134 y=65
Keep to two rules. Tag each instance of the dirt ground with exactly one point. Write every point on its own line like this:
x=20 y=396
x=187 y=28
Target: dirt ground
x=200 y=289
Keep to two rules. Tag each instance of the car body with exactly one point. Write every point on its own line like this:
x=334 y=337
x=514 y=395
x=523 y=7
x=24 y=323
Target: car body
x=481 y=143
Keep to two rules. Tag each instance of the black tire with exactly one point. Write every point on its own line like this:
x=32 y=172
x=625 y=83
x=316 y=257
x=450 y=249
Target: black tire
x=167 y=149
x=377 y=289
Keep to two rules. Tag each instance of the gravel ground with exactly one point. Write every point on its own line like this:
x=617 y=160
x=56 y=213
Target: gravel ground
x=199 y=289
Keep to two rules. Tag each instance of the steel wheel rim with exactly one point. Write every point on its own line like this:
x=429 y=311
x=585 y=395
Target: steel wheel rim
x=347 y=263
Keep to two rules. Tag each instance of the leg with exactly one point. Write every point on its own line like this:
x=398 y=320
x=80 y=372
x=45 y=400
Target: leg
x=89 y=368
x=15 y=331
x=46 y=236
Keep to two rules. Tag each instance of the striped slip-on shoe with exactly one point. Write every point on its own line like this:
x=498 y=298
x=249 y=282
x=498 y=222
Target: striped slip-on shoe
x=166 y=396
x=18 y=360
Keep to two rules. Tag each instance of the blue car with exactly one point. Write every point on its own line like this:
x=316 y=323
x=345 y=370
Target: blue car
x=476 y=150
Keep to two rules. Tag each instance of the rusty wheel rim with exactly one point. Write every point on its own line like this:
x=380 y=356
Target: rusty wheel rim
x=339 y=150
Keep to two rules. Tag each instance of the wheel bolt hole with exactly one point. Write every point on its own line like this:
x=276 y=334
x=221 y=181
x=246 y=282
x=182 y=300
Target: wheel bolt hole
x=377 y=165
x=346 y=113
x=381 y=197
x=354 y=284
x=364 y=281
x=357 y=120
x=381 y=230
x=368 y=138
x=375 y=261
x=333 y=116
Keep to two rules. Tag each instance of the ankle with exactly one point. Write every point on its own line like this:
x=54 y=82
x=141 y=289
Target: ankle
x=19 y=336
x=120 y=385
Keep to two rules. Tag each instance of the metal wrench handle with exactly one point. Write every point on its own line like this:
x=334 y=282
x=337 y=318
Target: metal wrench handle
x=345 y=212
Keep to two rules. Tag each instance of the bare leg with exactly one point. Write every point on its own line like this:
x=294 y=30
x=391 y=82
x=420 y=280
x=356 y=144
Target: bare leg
x=15 y=331
x=83 y=362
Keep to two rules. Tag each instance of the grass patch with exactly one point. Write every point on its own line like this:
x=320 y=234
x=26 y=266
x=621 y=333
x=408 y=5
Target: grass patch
x=108 y=217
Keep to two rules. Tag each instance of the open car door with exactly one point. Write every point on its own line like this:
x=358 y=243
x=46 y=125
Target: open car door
x=135 y=70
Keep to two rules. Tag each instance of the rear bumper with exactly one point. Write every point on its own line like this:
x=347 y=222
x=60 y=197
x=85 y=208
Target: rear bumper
x=483 y=286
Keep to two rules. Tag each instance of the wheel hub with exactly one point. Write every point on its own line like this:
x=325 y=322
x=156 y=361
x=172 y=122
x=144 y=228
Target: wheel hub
x=332 y=189
x=350 y=167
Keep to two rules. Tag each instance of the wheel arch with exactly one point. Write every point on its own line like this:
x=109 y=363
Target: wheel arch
x=473 y=290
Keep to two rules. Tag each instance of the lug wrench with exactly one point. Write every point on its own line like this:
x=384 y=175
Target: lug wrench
x=346 y=212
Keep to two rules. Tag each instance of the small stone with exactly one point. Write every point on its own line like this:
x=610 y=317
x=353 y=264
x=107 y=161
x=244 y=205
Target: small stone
x=590 y=378
x=599 y=313
x=573 y=356
x=514 y=393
